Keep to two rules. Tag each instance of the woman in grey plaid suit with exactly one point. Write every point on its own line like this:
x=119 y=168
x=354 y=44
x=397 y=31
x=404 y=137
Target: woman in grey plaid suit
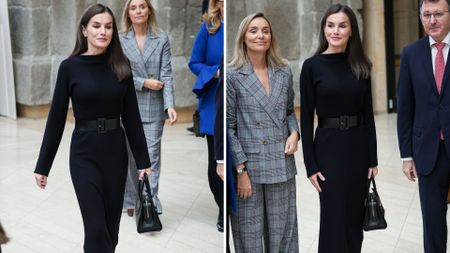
x=148 y=51
x=264 y=133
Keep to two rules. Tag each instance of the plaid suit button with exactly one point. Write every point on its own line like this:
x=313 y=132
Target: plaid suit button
x=264 y=142
x=258 y=124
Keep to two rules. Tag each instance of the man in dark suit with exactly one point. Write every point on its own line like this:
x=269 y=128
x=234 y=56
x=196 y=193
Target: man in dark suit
x=424 y=119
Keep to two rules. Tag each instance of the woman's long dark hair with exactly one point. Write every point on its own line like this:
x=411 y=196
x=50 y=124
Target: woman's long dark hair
x=359 y=62
x=116 y=58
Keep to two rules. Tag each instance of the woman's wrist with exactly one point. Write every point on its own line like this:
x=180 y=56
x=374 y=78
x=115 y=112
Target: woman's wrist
x=294 y=134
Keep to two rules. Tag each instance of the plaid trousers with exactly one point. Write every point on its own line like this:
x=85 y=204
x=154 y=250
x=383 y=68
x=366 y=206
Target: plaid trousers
x=267 y=220
x=153 y=132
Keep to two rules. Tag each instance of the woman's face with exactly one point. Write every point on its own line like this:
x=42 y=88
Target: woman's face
x=138 y=12
x=98 y=32
x=257 y=38
x=337 y=31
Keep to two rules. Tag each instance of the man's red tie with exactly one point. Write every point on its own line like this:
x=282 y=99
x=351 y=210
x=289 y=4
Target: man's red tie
x=439 y=68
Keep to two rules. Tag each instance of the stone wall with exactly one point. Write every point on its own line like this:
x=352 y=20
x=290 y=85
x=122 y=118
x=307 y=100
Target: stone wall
x=43 y=34
x=295 y=25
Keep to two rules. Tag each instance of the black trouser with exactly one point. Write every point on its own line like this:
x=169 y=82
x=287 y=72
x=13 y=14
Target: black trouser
x=215 y=183
x=227 y=220
x=433 y=190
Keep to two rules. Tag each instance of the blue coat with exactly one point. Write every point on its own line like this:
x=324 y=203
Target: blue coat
x=206 y=57
x=422 y=112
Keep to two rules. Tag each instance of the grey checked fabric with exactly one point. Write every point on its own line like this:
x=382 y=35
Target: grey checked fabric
x=153 y=132
x=259 y=125
x=154 y=63
x=268 y=219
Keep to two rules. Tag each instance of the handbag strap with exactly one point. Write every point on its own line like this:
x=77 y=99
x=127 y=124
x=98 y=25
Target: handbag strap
x=372 y=180
x=148 y=190
x=140 y=188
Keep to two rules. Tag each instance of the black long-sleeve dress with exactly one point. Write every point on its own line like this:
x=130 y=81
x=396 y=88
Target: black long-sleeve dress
x=98 y=161
x=329 y=89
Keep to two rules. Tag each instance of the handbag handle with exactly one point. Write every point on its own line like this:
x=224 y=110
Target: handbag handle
x=372 y=180
x=145 y=183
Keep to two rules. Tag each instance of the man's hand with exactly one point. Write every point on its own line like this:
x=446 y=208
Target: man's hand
x=219 y=170
x=409 y=169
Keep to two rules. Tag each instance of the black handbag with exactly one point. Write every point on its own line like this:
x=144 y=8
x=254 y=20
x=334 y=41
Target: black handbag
x=196 y=120
x=147 y=218
x=374 y=210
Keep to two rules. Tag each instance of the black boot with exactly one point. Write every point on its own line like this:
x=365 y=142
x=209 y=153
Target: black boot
x=220 y=222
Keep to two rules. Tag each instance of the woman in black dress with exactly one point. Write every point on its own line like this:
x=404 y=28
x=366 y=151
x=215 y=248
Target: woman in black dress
x=335 y=85
x=97 y=77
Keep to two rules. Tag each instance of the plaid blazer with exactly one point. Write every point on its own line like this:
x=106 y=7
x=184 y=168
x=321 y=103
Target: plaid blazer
x=155 y=63
x=258 y=125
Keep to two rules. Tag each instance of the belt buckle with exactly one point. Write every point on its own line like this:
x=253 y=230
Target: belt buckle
x=101 y=125
x=344 y=122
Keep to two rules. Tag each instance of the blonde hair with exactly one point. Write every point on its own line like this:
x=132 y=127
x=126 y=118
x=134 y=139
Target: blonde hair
x=240 y=57
x=152 y=23
x=213 y=17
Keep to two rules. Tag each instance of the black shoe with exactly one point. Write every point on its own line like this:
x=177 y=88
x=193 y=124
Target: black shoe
x=220 y=223
x=190 y=129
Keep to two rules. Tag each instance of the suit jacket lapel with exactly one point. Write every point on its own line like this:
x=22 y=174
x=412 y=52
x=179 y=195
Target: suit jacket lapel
x=135 y=53
x=253 y=85
x=429 y=64
x=276 y=86
x=133 y=45
x=150 y=44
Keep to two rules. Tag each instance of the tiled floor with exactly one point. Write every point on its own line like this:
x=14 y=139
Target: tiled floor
x=49 y=221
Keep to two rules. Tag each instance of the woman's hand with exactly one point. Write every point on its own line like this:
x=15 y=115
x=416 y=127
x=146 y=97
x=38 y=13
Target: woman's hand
x=148 y=171
x=41 y=180
x=372 y=171
x=172 y=116
x=244 y=186
x=315 y=181
x=291 y=143
x=153 y=84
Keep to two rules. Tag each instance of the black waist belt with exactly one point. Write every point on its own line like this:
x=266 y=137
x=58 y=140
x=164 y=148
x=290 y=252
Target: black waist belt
x=100 y=125
x=343 y=122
